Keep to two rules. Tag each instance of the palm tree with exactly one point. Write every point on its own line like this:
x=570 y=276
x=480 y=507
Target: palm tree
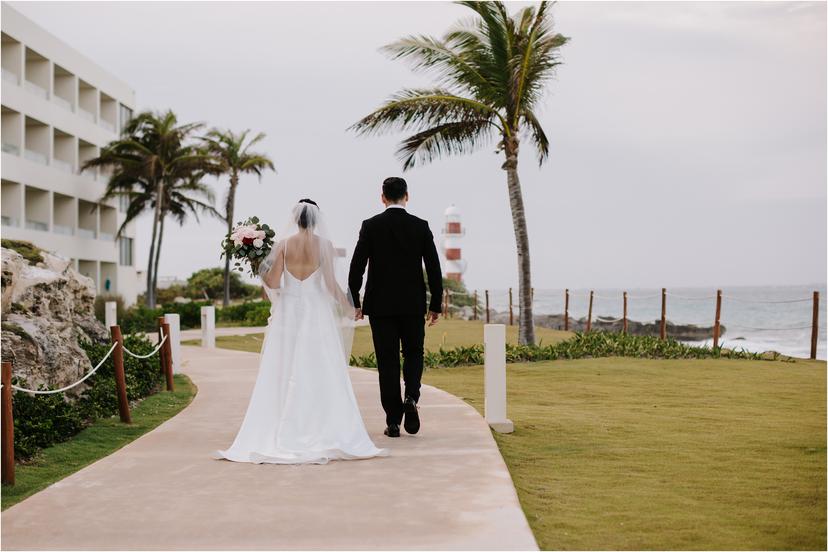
x=233 y=157
x=154 y=166
x=491 y=73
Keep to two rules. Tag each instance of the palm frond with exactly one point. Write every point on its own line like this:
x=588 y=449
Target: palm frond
x=420 y=109
x=448 y=138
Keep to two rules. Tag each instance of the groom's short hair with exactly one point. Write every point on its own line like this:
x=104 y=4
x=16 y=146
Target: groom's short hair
x=394 y=188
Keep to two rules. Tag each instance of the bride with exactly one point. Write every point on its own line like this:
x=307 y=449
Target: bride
x=303 y=409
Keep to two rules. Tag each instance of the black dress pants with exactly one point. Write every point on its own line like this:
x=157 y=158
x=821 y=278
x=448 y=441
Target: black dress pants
x=390 y=335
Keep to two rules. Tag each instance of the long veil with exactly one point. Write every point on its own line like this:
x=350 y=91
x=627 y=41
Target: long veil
x=307 y=233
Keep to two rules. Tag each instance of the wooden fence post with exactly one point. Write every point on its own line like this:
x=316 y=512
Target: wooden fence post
x=663 y=331
x=589 y=314
x=7 y=427
x=511 y=312
x=487 y=306
x=815 y=327
x=718 y=317
x=566 y=310
x=120 y=377
x=168 y=371
x=474 y=315
x=624 y=326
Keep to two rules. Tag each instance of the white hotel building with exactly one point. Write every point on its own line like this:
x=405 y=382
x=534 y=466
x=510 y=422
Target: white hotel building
x=59 y=108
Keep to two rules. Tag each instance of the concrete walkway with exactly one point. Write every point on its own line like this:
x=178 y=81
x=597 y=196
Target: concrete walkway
x=446 y=488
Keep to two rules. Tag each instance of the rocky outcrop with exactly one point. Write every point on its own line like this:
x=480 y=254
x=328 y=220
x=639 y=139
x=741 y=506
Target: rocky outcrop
x=48 y=308
x=682 y=332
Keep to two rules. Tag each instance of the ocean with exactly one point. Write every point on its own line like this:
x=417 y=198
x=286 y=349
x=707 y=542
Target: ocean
x=758 y=319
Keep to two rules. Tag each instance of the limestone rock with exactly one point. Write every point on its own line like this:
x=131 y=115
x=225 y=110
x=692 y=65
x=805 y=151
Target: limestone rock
x=48 y=308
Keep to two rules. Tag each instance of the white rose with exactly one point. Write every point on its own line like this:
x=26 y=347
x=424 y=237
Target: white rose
x=257 y=243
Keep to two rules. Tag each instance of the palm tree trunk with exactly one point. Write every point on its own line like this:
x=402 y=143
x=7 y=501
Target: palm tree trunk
x=526 y=331
x=231 y=203
x=150 y=296
x=158 y=253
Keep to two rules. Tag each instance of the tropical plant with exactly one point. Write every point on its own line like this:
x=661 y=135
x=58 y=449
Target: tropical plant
x=231 y=153
x=581 y=345
x=157 y=168
x=491 y=72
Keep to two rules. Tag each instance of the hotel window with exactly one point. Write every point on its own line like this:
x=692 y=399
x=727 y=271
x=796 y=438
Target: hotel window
x=123 y=203
x=125 y=116
x=125 y=258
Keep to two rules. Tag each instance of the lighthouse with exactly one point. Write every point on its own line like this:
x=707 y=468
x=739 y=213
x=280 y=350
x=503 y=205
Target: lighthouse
x=453 y=232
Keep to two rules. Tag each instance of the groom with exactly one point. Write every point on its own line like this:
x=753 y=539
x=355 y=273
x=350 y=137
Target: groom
x=395 y=244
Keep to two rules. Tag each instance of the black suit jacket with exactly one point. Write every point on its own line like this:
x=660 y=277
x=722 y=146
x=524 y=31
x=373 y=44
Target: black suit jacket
x=394 y=245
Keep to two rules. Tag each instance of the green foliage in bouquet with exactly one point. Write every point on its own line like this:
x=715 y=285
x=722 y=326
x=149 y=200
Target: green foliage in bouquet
x=249 y=242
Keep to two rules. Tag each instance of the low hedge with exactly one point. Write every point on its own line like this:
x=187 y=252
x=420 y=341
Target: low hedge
x=140 y=318
x=582 y=345
x=43 y=420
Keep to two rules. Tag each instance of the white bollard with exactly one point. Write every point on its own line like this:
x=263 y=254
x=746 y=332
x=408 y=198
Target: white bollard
x=208 y=327
x=494 y=342
x=111 y=313
x=174 y=321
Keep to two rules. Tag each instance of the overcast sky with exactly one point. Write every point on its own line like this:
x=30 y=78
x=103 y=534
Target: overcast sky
x=688 y=140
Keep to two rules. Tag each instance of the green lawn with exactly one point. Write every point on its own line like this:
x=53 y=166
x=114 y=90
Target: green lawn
x=446 y=333
x=102 y=438
x=621 y=453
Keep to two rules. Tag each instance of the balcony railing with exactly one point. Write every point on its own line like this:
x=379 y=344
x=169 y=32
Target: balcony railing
x=37 y=90
x=63 y=102
x=64 y=166
x=107 y=125
x=9 y=221
x=63 y=229
x=87 y=233
x=88 y=115
x=11 y=148
x=37 y=225
x=106 y=236
x=10 y=76
x=36 y=156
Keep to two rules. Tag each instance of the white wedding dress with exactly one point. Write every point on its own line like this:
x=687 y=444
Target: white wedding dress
x=303 y=409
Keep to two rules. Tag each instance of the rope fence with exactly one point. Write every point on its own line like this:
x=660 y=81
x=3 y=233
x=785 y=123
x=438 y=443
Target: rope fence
x=163 y=349
x=67 y=387
x=450 y=302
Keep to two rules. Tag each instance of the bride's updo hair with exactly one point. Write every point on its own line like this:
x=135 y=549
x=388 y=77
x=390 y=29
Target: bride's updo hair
x=307 y=220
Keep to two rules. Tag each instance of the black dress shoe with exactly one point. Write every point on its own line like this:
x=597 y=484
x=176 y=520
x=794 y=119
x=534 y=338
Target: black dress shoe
x=393 y=430
x=412 y=417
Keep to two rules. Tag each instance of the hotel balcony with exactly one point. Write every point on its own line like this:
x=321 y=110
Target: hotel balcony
x=108 y=223
x=11 y=203
x=66 y=88
x=37 y=209
x=12 y=131
x=87 y=151
x=87 y=101
x=12 y=54
x=64 y=214
x=108 y=113
x=87 y=219
x=64 y=151
x=38 y=74
x=37 y=141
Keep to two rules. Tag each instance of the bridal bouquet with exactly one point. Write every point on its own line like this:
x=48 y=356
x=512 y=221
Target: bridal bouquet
x=250 y=241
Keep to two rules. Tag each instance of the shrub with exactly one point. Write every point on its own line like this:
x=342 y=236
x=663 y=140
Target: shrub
x=588 y=345
x=139 y=318
x=258 y=316
x=43 y=420
x=190 y=313
x=238 y=313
